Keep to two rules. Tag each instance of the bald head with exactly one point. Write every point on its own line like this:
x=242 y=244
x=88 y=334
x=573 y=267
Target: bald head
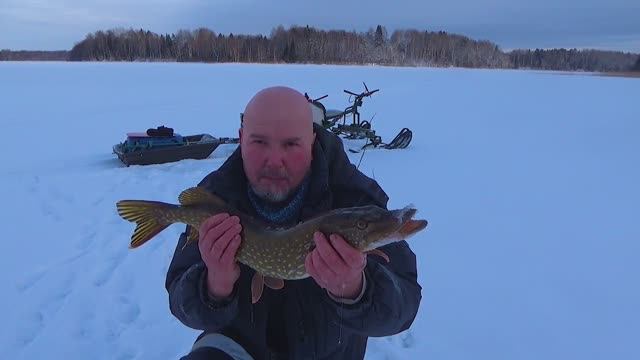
x=276 y=141
x=279 y=105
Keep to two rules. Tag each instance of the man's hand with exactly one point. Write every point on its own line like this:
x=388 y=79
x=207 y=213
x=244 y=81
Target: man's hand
x=336 y=266
x=219 y=240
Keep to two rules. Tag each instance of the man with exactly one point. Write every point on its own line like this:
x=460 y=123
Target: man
x=286 y=170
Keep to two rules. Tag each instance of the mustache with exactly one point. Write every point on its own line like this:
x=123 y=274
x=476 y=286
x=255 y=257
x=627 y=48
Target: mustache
x=274 y=173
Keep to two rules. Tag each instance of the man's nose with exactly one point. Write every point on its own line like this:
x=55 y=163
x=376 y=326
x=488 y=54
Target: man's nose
x=274 y=157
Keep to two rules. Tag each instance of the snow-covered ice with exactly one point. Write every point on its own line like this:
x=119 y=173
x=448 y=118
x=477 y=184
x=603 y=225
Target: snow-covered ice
x=529 y=180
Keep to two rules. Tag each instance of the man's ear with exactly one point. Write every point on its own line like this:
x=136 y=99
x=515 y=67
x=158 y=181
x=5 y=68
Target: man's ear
x=240 y=134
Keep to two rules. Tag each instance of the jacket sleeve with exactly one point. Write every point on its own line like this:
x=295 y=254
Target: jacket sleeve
x=189 y=299
x=391 y=298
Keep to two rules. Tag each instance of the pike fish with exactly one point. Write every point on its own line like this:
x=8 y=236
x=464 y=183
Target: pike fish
x=276 y=254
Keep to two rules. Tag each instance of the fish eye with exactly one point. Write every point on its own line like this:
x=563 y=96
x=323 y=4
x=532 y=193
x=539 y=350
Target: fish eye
x=361 y=224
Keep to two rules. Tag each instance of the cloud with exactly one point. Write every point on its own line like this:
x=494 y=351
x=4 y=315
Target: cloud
x=58 y=13
x=509 y=23
x=98 y=12
x=59 y=24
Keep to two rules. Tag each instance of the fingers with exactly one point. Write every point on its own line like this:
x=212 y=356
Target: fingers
x=211 y=222
x=216 y=237
x=347 y=284
x=219 y=241
x=350 y=256
x=327 y=258
x=223 y=240
x=205 y=242
x=229 y=255
x=310 y=268
x=324 y=264
x=324 y=270
x=215 y=229
x=313 y=271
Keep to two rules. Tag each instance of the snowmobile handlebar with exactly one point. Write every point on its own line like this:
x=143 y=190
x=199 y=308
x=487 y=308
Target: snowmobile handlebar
x=363 y=94
x=314 y=100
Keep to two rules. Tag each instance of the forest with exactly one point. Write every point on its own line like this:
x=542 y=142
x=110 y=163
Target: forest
x=308 y=45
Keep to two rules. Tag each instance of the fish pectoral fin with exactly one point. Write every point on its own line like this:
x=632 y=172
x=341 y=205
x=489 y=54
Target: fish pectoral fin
x=273 y=283
x=378 y=252
x=193 y=235
x=257 y=285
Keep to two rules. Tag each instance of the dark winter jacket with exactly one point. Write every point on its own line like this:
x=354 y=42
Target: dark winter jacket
x=316 y=326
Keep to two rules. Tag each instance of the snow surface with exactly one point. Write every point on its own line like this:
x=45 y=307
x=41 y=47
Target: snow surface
x=529 y=179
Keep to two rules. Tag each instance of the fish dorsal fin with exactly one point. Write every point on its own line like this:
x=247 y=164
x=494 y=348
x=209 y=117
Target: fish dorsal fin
x=199 y=196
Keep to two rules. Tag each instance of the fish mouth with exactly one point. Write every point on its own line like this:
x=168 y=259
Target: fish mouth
x=407 y=225
x=411 y=227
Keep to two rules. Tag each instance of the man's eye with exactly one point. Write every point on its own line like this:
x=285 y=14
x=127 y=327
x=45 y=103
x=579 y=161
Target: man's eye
x=289 y=144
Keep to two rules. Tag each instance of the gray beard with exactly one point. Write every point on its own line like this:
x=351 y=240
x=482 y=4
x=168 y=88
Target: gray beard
x=271 y=197
x=277 y=197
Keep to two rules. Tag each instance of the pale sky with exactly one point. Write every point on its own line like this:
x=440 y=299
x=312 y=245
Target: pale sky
x=600 y=24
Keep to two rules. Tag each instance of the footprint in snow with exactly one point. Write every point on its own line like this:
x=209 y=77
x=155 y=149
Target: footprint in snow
x=108 y=267
x=60 y=288
x=29 y=329
x=36 y=276
x=49 y=212
x=60 y=196
x=126 y=354
x=83 y=327
x=124 y=283
x=30 y=280
x=128 y=311
x=35 y=184
x=87 y=239
x=407 y=339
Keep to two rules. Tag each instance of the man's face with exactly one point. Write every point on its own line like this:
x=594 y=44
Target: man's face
x=277 y=152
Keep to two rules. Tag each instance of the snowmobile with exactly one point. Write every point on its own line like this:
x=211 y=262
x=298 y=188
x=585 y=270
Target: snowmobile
x=336 y=121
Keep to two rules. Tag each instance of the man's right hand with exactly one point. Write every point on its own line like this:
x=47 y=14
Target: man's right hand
x=219 y=240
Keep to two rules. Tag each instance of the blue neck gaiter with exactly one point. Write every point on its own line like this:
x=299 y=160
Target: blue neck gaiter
x=279 y=215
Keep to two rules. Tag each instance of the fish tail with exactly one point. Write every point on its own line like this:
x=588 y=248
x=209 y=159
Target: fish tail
x=145 y=215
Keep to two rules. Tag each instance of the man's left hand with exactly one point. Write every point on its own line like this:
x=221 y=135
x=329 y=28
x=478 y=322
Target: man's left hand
x=336 y=266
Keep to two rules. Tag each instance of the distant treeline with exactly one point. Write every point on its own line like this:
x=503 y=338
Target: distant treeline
x=562 y=59
x=310 y=45
x=24 y=55
x=295 y=45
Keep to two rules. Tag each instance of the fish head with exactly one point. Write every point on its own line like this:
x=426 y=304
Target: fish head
x=370 y=227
